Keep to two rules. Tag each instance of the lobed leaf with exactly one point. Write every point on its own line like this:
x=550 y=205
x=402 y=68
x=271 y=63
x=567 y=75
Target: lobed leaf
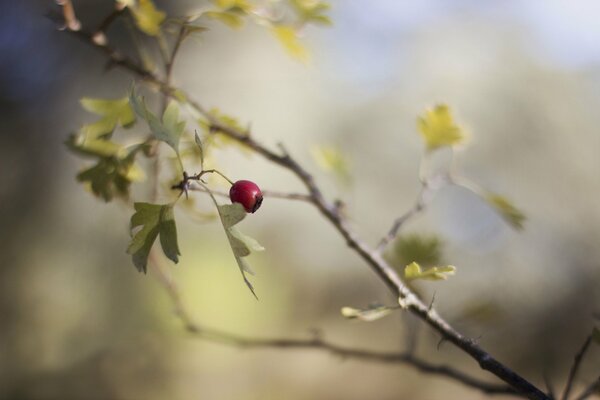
x=155 y=220
x=414 y=271
x=169 y=130
x=241 y=245
x=438 y=129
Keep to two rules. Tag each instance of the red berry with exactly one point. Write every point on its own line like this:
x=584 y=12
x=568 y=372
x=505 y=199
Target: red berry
x=246 y=193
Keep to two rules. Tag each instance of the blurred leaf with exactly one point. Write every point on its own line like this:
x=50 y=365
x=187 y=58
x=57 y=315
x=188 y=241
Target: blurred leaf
x=94 y=147
x=424 y=250
x=241 y=5
x=414 y=271
x=438 y=128
x=219 y=140
x=312 y=11
x=369 y=314
x=331 y=159
x=596 y=335
x=288 y=37
x=229 y=18
x=147 y=17
x=113 y=112
x=507 y=210
x=155 y=220
x=169 y=130
x=111 y=176
x=241 y=245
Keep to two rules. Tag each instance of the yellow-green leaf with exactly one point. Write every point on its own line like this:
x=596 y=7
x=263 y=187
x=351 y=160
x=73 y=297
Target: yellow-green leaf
x=288 y=37
x=424 y=250
x=507 y=210
x=372 y=313
x=414 y=271
x=228 y=18
x=241 y=5
x=113 y=112
x=331 y=159
x=147 y=17
x=438 y=129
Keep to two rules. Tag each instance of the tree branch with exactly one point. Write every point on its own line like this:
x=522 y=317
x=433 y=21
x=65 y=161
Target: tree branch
x=575 y=367
x=316 y=343
x=385 y=272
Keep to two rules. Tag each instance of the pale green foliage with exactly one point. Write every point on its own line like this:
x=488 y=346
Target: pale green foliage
x=369 y=314
x=229 y=18
x=424 y=250
x=155 y=220
x=112 y=111
x=242 y=5
x=414 y=271
x=331 y=159
x=169 y=130
x=288 y=37
x=213 y=138
x=312 y=11
x=438 y=129
x=241 y=245
x=115 y=166
x=147 y=17
x=507 y=210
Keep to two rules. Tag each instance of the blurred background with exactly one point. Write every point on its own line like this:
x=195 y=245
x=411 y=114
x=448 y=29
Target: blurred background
x=77 y=321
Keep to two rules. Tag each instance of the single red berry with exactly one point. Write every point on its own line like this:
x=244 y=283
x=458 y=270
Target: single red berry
x=246 y=193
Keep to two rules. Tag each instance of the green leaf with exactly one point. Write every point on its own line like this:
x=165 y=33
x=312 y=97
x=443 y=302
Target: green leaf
x=94 y=147
x=288 y=37
x=147 y=17
x=111 y=177
x=241 y=245
x=596 y=335
x=240 y=5
x=155 y=220
x=216 y=139
x=369 y=314
x=331 y=159
x=424 y=250
x=312 y=11
x=507 y=210
x=231 y=19
x=438 y=129
x=414 y=271
x=169 y=130
x=113 y=112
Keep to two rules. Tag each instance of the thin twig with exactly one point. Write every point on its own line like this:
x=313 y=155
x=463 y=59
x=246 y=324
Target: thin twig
x=575 y=367
x=593 y=388
x=316 y=343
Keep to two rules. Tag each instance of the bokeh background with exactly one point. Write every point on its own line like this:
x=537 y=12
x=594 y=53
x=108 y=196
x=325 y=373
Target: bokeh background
x=77 y=321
